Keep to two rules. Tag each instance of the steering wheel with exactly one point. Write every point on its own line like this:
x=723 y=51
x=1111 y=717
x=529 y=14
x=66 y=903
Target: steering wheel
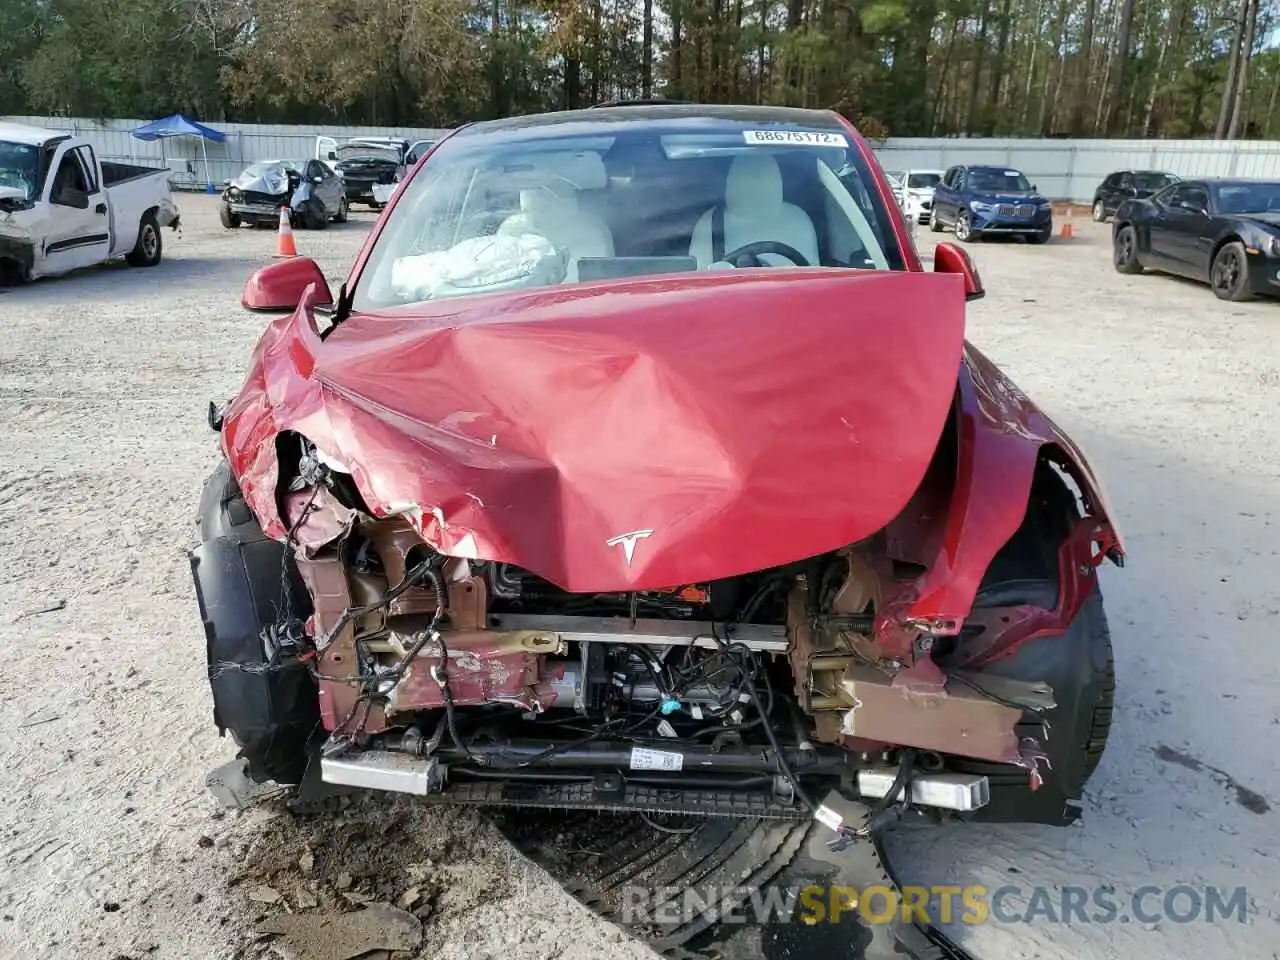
x=748 y=255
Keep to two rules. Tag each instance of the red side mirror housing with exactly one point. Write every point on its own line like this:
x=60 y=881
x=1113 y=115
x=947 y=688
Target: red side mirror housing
x=279 y=287
x=949 y=258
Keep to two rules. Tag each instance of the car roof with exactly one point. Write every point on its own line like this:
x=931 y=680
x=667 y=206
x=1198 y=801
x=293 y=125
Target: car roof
x=27 y=134
x=600 y=120
x=1234 y=181
x=991 y=166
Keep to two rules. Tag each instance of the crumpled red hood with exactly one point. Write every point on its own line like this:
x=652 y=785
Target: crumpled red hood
x=622 y=436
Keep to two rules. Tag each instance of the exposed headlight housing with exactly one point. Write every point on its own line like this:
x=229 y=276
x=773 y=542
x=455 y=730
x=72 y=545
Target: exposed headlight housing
x=977 y=206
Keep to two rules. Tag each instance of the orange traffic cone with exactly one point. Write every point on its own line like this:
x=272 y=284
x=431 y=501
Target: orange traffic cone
x=285 y=247
x=1068 y=228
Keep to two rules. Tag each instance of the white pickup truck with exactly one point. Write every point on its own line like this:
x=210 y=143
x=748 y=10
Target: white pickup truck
x=62 y=209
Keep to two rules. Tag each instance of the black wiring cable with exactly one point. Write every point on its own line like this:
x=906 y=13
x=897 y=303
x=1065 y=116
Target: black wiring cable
x=996 y=698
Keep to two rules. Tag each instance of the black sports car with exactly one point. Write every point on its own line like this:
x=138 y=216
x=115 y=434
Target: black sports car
x=1222 y=232
x=1127 y=185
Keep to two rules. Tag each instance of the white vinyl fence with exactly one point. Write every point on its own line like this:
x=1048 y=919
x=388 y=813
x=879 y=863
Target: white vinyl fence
x=1072 y=169
x=245 y=143
x=1062 y=169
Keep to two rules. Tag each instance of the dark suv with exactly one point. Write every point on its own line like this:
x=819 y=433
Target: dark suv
x=1127 y=185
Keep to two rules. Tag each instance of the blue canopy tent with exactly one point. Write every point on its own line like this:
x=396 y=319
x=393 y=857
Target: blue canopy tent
x=179 y=126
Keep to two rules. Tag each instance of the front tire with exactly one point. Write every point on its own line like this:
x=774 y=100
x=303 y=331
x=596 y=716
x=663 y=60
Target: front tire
x=228 y=219
x=964 y=228
x=1229 y=273
x=344 y=211
x=1124 y=251
x=271 y=709
x=1041 y=236
x=1099 y=212
x=935 y=225
x=148 y=248
x=1078 y=664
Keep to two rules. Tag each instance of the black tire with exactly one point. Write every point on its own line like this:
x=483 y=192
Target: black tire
x=1079 y=665
x=1099 y=212
x=273 y=716
x=1124 y=251
x=935 y=225
x=1042 y=236
x=317 y=217
x=964 y=228
x=149 y=248
x=1229 y=273
x=344 y=211
x=615 y=864
x=229 y=220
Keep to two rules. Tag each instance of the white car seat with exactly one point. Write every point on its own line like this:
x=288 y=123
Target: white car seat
x=754 y=210
x=560 y=218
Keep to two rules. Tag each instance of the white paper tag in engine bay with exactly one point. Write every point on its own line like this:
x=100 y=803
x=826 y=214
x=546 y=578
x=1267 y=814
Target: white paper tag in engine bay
x=794 y=138
x=642 y=758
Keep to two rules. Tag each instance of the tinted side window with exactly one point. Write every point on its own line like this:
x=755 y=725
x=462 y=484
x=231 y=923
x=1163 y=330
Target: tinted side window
x=1191 y=194
x=1112 y=181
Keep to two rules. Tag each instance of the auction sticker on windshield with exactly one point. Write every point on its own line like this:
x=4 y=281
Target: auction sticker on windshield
x=799 y=138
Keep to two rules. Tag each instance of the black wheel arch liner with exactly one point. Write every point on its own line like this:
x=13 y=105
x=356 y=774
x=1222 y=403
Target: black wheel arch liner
x=19 y=252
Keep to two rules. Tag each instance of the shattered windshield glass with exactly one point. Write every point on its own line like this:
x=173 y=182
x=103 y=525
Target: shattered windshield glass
x=19 y=169
x=486 y=214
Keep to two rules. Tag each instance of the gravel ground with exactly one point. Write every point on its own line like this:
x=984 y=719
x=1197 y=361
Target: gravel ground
x=111 y=847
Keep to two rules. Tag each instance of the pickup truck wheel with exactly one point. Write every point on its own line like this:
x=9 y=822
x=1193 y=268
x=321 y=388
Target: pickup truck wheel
x=229 y=220
x=148 y=249
x=964 y=228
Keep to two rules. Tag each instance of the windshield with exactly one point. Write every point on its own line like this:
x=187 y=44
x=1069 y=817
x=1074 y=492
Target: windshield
x=19 y=168
x=996 y=180
x=490 y=213
x=1249 y=198
x=368 y=151
x=923 y=181
x=1153 y=181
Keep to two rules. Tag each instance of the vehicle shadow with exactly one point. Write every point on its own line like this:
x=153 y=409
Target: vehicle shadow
x=1182 y=791
x=115 y=279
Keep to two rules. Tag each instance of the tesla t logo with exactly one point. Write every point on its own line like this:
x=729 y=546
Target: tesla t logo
x=628 y=541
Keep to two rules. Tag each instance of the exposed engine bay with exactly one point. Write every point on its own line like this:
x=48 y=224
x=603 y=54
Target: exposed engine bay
x=436 y=674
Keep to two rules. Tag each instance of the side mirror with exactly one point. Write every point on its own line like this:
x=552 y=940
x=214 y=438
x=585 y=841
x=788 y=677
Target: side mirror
x=317 y=179
x=410 y=160
x=72 y=198
x=1191 y=207
x=949 y=258
x=279 y=287
x=333 y=154
x=226 y=182
x=1034 y=188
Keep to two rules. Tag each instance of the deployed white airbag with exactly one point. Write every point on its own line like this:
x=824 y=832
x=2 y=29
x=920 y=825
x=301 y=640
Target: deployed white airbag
x=480 y=265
